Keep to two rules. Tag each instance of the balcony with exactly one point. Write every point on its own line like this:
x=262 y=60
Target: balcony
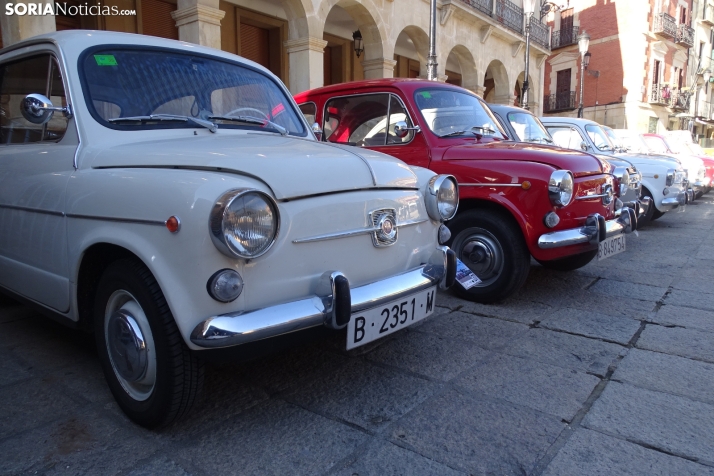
x=661 y=95
x=564 y=37
x=509 y=15
x=708 y=15
x=484 y=6
x=564 y=101
x=539 y=33
x=679 y=100
x=665 y=25
x=685 y=36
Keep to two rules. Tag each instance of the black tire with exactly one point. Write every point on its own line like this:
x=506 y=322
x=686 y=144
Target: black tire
x=657 y=214
x=571 y=262
x=174 y=376
x=647 y=217
x=497 y=242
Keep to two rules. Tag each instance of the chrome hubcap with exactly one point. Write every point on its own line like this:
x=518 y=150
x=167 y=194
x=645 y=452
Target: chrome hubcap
x=482 y=253
x=130 y=344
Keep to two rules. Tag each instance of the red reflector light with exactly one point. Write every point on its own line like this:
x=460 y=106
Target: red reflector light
x=173 y=224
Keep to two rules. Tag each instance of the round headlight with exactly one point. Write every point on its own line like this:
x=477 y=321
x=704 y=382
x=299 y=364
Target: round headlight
x=623 y=176
x=244 y=223
x=442 y=197
x=560 y=188
x=670 y=177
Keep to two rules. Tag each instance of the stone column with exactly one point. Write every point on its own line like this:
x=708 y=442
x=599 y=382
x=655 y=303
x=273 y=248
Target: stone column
x=478 y=90
x=507 y=99
x=199 y=21
x=20 y=27
x=306 y=57
x=378 y=68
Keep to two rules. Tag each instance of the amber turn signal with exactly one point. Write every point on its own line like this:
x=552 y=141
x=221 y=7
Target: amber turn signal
x=526 y=185
x=173 y=224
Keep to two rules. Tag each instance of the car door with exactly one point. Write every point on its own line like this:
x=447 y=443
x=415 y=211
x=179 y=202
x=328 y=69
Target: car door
x=567 y=137
x=36 y=161
x=369 y=120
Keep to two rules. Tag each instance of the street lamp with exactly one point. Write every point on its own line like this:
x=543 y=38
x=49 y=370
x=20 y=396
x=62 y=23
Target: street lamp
x=529 y=9
x=583 y=43
x=359 y=46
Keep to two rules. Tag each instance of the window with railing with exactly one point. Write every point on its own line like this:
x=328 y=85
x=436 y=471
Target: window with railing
x=539 y=32
x=509 y=15
x=685 y=35
x=484 y=6
x=560 y=101
x=564 y=37
x=665 y=25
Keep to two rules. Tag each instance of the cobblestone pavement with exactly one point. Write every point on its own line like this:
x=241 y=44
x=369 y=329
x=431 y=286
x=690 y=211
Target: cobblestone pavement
x=607 y=370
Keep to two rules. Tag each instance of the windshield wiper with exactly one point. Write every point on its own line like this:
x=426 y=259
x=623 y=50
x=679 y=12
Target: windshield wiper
x=540 y=140
x=167 y=117
x=487 y=130
x=457 y=133
x=253 y=120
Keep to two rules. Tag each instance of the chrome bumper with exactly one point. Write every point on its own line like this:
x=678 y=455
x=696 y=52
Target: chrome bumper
x=640 y=206
x=682 y=198
x=596 y=229
x=331 y=306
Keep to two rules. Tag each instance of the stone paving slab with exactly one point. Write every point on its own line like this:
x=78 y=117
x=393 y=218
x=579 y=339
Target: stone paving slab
x=565 y=350
x=273 y=438
x=592 y=324
x=667 y=373
x=697 y=300
x=430 y=355
x=591 y=453
x=478 y=436
x=695 y=283
x=85 y=443
x=689 y=343
x=549 y=389
x=627 y=276
x=363 y=394
x=590 y=301
x=670 y=315
x=643 y=292
x=485 y=332
x=668 y=423
x=384 y=458
x=159 y=465
x=515 y=310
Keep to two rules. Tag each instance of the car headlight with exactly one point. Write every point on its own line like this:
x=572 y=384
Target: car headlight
x=442 y=197
x=623 y=176
x=244 y=223
x=560 y=188
x=670 y=177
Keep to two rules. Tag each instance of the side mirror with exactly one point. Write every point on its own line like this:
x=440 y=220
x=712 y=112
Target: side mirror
x=584 y=145
x=401 y=129
x=38 y=109
x=317 y=130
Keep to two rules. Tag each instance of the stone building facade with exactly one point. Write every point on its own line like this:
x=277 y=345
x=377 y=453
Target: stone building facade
x=309 y=43
x=638 y=76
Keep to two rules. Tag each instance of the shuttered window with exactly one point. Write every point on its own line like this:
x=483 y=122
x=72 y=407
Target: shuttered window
x=156 y=19
x=255 y=44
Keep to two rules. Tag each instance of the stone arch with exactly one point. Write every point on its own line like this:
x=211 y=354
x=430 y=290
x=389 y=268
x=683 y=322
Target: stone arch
x=420 y=40
x=373 y=30
x=469 y=74
x=498 y=87
x=518 y=89
x=302 y=20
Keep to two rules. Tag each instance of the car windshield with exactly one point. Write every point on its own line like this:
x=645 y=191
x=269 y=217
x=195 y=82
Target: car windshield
x=528 y=128
x=599 y=138
x=453 y=113
x=657 y=145
x=633 y=143
x=150 y=88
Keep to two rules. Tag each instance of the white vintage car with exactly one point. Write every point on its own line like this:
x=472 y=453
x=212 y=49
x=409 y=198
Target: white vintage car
x=172 y=199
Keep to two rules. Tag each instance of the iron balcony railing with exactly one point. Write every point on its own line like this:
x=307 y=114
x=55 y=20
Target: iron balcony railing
x=685 y=35
x=509 y=15
x=661 y=94
x=564 y=37
x=484 y=6
x=563 y=101
x=679 y=100
x=539 y=33
x=665 y=25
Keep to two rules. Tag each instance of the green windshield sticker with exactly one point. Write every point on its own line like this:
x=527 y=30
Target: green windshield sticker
x=426 y=95
x=105 y=60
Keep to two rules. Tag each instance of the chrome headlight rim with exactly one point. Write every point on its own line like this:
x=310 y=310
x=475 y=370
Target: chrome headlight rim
x=669 y=181
x=433 y=190
x=623 y=176
x=217 y=219
x=557 y=185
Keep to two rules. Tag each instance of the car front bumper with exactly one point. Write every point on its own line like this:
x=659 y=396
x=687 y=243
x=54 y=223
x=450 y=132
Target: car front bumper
x=640 y=206
x=331 y=306
x=596 y=229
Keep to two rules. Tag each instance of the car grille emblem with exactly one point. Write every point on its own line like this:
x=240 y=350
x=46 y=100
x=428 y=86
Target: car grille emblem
x=384 y=222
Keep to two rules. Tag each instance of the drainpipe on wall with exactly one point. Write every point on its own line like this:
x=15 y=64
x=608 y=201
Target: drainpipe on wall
x=431 y=60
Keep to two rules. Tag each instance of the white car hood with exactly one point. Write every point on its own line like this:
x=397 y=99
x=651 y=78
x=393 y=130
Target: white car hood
x=290 y=167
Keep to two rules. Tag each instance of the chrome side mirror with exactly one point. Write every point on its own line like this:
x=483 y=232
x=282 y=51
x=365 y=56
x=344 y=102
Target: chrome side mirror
x=584 y=145
x=38 y=109
x=317 y=130
x=401 y=129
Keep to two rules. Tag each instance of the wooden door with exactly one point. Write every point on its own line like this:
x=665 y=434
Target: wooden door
x=562 y=89
x=566 y=27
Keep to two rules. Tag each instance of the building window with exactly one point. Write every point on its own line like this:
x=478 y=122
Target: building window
x=652 y=127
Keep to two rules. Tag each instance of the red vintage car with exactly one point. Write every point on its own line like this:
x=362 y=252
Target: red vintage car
x=517 y=200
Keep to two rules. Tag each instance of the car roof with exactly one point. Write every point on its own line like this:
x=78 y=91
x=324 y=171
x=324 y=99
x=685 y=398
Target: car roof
x=505 y=108
x=569 y=120
x=407 y=85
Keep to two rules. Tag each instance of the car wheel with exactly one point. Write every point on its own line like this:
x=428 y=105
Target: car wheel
x=571 y=262
x=657 y=214
x=153 y=376
x=647 y=217
x=492 y=246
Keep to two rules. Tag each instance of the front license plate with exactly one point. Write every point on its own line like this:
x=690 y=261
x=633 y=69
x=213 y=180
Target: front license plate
x=610 y=247
x=375 y=323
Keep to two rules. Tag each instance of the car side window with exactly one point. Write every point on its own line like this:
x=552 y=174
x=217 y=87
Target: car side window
x=566 y=137
x=397 y=113
x=357 y=120
x=39 y=75
x=309 y=110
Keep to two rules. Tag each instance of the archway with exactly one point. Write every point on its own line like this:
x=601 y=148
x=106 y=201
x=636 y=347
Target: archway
x=497 y=86
x=461 y=69
x=411 y=51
